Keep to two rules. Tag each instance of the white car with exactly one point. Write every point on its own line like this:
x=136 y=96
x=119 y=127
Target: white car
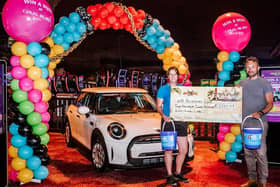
x=120 y=126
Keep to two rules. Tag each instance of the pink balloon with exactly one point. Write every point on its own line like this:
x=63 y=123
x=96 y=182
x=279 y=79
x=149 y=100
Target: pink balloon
x=181 y=78
x=231 y=32
x=13 y=175
x=26 y=84
x=48 y=126
x=14 y=61
x=18 y=72
x=224 y=128
x=27 y=20
x=220 y=136
x=35 y=96
x=45 y=117
x=187 y=83
x=41 y=107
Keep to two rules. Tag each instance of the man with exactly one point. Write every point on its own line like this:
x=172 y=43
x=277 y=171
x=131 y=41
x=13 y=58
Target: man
x=163 y=107
x=257 y=102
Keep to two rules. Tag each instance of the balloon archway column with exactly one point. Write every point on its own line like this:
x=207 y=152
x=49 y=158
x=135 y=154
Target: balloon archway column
x=39 y=46
x=231 y=33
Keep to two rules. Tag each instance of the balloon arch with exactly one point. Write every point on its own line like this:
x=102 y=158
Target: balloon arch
x=39 y=47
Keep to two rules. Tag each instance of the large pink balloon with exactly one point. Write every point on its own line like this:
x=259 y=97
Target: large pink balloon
x=27 y=20
x=231 y=32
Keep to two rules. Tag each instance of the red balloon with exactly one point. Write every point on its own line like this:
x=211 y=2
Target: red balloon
x=124 y=19
x=118 y=11
x=116 y=25
x=111 y=19
x=132 y=11
x=93 y=10
x=96 y=22
x=139 y=24
x=110 y=6
x=231 y=32
x=103 y=13
x=103 y=25
x=141 y=14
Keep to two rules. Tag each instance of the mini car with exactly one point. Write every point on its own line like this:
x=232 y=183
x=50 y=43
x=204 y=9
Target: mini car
x=120 y=127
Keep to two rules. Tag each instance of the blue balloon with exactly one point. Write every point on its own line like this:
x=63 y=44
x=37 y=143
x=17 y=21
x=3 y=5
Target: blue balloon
x=152 y=39
x=33 y=162
x=228 y=65
x=45 y=72
x=64 y=20
x=41 y=60
x=76 y=36
x=18 y=141
x=68 y=37
x=25 y=152
x=169 y=42
x=41 y=173
x=161 y=40
x=160 y=31
x=236 y=147
x=59 y=28
x=238 y=138
x=65 y=46
x=81 y=28
x=154 y=45
x=155 y=23
x=74 y=17
x=58 y=39
x=167 y=33
x=220 y=83
x=34 y=48
x=13 y=129
x=231 y=156
x=234 y=56
x=224 y=75
x=71 y=27
x=160 y=49
x=53 y=34
x=151 y=31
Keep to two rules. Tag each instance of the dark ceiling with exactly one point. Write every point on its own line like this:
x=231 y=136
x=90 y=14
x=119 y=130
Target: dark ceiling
x=190 y=24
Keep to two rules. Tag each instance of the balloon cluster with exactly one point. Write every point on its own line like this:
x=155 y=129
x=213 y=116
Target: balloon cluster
x=230 y=139
x=231 y=33
x=30 y=91
x=231 y=70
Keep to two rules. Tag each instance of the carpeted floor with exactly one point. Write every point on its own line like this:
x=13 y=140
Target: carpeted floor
x=70 y=167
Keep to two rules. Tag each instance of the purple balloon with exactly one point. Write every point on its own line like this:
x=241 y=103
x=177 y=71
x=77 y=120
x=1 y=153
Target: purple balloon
x=27 y=21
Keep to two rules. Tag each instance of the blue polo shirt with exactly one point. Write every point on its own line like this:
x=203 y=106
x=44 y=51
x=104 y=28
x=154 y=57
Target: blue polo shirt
x=164 y=93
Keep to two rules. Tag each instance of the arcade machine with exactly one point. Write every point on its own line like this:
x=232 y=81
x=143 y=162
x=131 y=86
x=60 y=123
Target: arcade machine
x=101 y=79
x=81 y=82
x=111 y=78
x=134 y=79
x=72 y=84
x=3 y=125
x=146 y=81
x=163 y=80
x=154 y=84
x=91 y=81
x=122 y=78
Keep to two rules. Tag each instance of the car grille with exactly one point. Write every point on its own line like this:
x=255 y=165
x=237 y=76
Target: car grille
x=147 y=139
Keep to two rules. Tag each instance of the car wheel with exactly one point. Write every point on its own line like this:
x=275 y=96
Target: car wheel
x=99 y=156
x=68 y=135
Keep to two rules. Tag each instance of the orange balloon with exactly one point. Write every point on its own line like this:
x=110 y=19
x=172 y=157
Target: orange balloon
x=220 y=66
x=41 y=84
x=18 y=163
x=165 y=67
x=47 y=95
x=19 y=49
x=229 y=137
x=168 y=52
x=51 y=73
x=182 y=69
x=52 y=53
x=176 y=55
x=26 y=61
x=176 y=64
x=13 y=151
x=224 y=146
x=25 y=175
x=49 y=41
x=34 y=73
x=221 y=154
x=160 y=56
x=176 y=46
x=52 y=65
x=223 y=56
x=58 y=49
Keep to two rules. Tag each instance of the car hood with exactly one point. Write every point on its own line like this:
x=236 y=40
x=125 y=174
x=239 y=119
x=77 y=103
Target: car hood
x=140 y=123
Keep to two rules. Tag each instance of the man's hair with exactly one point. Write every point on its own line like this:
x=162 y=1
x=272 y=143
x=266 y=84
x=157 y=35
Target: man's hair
x=172 y=68
x=253 y=59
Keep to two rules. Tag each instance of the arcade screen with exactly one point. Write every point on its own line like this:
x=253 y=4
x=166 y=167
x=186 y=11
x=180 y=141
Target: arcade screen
x=272 y=74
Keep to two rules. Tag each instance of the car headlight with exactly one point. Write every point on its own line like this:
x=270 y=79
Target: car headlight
x=116 y=131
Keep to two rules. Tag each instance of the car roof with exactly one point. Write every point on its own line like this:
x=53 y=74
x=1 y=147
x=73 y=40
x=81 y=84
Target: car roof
x=114 y=90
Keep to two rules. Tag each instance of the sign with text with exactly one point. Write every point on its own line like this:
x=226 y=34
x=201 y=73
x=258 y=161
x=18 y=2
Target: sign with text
x=206 y=104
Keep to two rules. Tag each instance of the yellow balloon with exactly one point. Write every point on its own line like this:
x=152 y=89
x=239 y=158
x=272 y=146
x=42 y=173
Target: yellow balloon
x=52 y=53
x=235 y=129
x=25 y=175
x=224 y=146
x=176 y=55
x=58 y=49
x=168 y=52
x=221 y=154
x=26 y=61
x=223 y=56
x=182 y=60
x=19 y=49
x=182 y=69
x=229 y=137
x=34 y=73
x=49 y=41
x=176 y=64
x=13 y=151
x=165 y=67
x=220 y=66
x=176 y=46
x=18 y=163
x=167 y=60
x=47 y=95
x=160 y=56
x=41 y=84
x=51 y=73
x=52 y=65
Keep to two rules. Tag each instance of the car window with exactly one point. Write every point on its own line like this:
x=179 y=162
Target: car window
x=92 y=102
x=81 y=99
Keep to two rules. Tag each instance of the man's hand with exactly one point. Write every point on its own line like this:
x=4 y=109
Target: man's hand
x=166 y=118
x=256 y=115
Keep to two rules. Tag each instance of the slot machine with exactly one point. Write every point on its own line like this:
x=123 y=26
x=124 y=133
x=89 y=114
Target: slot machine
x=122 y=78
x=154 y=85
x=135 y=79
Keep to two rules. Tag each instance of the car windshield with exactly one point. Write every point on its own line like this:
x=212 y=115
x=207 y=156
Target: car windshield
x=123 y=103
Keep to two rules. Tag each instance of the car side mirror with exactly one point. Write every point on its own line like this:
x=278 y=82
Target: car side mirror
x=83 y=110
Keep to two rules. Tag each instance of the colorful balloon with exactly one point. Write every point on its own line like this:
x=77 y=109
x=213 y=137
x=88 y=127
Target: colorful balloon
x=14 y=61
x=18 y=72
x=33 y=162
x=18 y=48
x=25 y=84
x=13 y=151
x=224 y=146
x=221 y=154
x=231 y=156
x=231 y=32
x=41 y=107
x=18 y=163
x=34 y=118
x=25 y=152
x=229 y=137
x=27 y=22
x=35 y=96
x=220 y=136
x=45 y=117
x=25 y=175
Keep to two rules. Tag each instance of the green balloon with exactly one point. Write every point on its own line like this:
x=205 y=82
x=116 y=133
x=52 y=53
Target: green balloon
x=34 y=118
x=236 y=82
x=39 y=129
x=243 y=74
x=45 y=139
x=26 y=107
x=14 y=84
x=19 y=96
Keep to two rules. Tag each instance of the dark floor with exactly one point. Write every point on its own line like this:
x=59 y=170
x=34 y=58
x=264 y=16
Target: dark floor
x=69 y=167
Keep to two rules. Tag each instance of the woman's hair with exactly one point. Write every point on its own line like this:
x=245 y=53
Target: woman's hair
x=253 y=59
x=172 y=68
